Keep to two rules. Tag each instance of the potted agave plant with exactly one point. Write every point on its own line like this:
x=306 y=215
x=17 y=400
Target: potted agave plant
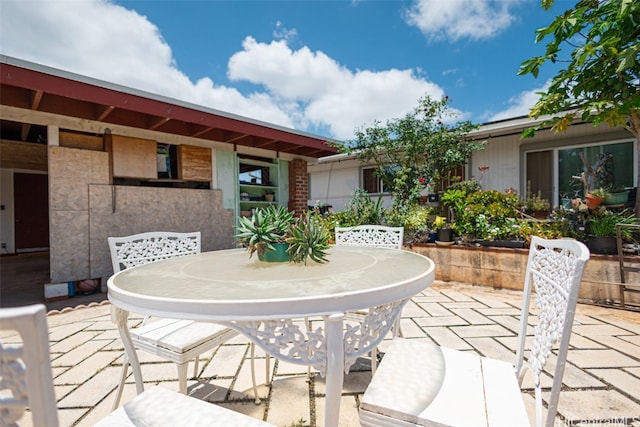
x=276 y=236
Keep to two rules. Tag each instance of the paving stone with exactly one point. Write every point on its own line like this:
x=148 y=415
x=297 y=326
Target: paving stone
x=101 y=410
x=411 y=309
x=289 y=400
x=441 y=321
x=162 y=371
x=454 y=295
x=434 y=309
x=93 y=390
x=348 y=412
x=573 y=376
x=226 y=361
x=481 y=331
x=68 y=416
x=471 y=316
x=510 y=322
x=77 y=354
x=213 y=390
x=247 y=408
x=83 y=371
x=633 y=339
x=619 y=379
x=619 y=344
x=243 y=386
x=597 y=405
x=410 y=329
x=353 y=383
x=580 y=342
x=630 y=323
x=58 y=333
x=73 y=341
x=446 y=338
x=633 y=371
x=493 y=301
x=600 y=359
x=464 y=304
x=496 y=311
x=581 y=319
x=595 y=330
x=489 y=347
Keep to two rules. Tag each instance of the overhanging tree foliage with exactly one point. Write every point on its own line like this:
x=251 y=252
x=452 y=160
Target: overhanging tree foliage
x=600 y=81
x=415 y=150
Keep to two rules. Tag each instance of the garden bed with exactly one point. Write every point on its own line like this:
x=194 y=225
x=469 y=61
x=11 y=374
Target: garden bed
x=505 y=267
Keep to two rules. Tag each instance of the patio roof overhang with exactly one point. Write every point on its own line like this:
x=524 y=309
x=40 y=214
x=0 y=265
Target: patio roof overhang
x=35 y=87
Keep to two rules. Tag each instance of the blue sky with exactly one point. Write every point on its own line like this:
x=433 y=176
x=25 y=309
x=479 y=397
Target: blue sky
x=325 y=67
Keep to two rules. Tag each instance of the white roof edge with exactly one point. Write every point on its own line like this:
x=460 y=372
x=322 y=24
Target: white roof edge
x=9 y=60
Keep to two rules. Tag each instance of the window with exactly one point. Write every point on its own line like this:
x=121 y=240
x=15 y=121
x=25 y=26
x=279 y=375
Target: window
x=540 y=167
x=371 y=183
x=617 y=172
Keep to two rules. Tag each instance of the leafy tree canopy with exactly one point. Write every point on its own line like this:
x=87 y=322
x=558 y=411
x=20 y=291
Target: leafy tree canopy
x=416 y=150
x=600 y=83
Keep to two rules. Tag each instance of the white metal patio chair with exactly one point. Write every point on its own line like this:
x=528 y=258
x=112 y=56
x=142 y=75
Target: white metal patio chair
x=26 y=381
x=178 y=341
x=423 y=384
x=379 y=236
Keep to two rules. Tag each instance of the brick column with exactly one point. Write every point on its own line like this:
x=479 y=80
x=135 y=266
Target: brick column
x=298 y=186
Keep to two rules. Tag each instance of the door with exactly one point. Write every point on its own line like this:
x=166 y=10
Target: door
x=31 y=210
x=540 y=173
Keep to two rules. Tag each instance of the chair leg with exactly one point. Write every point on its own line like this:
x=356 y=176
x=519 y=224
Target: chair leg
x=123 y=377
x=195 y=367
x=267 y=369
x=374 y=360
x=253 y=374
x=397 y=330
x=307 y=323
x=182 y=377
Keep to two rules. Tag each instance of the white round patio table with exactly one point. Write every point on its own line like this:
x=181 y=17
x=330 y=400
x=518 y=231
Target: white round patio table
x=262 y=299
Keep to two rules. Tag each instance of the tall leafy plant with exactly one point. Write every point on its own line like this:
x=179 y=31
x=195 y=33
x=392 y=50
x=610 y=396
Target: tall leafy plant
x=415 y=150
x=599 y=82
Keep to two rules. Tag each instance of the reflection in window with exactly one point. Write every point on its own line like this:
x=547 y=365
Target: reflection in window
x=617 y=172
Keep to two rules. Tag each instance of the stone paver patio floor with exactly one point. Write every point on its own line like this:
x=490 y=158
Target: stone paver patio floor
x=601 y=381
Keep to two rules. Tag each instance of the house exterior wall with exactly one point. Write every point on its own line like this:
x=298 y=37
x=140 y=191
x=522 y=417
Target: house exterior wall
x=333 y=179
x=85 y=210
x=333 y=182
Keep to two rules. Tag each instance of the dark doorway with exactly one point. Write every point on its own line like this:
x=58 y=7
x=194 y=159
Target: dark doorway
x=31 y=210
x=540 y=173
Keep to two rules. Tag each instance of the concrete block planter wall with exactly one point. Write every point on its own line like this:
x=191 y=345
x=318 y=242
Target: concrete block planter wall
x=505 y=267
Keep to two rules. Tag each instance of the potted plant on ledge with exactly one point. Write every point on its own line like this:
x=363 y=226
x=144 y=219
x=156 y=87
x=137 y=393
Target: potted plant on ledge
x=595 y=197
x=445 y=232
x=601 y=229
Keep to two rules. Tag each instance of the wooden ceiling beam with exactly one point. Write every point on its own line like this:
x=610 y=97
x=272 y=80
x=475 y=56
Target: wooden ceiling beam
x=36 y=98
x=104 y=112
x=157 y=122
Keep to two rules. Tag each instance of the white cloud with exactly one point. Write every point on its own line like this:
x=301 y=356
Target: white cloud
x=520 y=105
x=302 y=89
x=457 y=19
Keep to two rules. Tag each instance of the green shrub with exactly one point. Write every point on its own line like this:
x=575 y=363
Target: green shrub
x=361 y=209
